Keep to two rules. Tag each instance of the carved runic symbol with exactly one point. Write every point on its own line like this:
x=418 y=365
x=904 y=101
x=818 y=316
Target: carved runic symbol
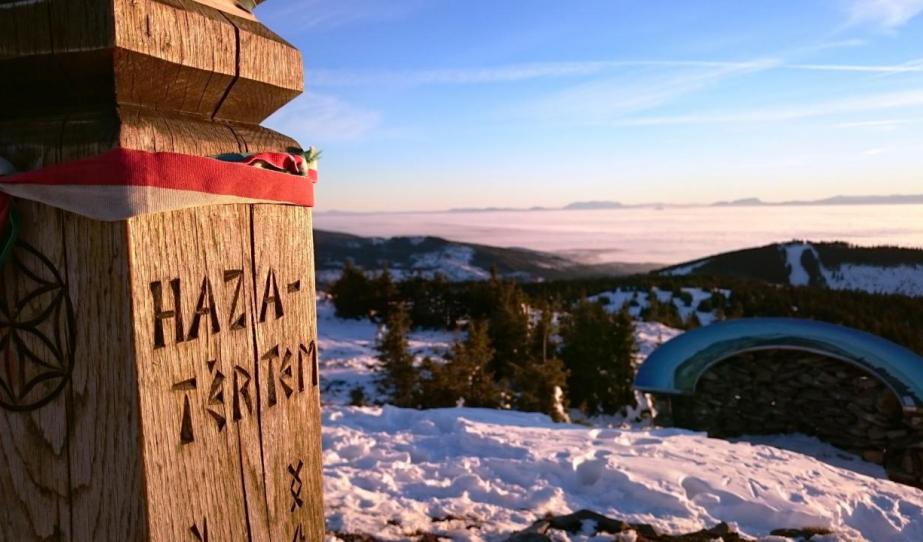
x=295 y=488
x=200 y=534
x=36 y=339
x=299 y=536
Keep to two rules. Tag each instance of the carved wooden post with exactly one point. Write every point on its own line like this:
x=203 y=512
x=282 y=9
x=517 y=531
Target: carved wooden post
x=158 y=375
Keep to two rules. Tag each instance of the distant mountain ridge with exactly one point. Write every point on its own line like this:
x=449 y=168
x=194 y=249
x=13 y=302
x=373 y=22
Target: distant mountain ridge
x=427 y=256
x=838 y=266
x=896 y=199
x=589 y=205
x=573 y=206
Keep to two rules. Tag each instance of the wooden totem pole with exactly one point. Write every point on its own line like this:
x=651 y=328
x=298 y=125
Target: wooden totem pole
x=158 y=374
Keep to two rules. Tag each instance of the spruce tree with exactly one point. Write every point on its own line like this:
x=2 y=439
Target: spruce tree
x=465 y=377
x=351 y=293
x=509 y=329
x=664 y=312
x=598 y=350
x=399 y=378
x=383 y=294
x=537 y=385
x=539 y=382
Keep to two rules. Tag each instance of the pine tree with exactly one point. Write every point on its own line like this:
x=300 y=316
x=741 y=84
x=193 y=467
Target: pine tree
x=598 y=350
x=538 y=383
x=383 y=294
x=351 y=293
x=509 y=329
x=664 y=312
x=537 y=386
x=464 y=377
x=399 y=378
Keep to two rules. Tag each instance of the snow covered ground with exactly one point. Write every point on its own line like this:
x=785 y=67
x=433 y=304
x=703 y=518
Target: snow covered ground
x=897 y=279
x=475 y=474
x=637 y=301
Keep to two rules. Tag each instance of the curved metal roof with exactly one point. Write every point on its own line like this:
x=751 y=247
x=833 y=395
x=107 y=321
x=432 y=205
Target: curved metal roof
x=675 y=367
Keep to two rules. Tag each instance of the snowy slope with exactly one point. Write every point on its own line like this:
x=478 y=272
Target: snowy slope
x=474 y=474
x=637 y=301
x=902 y=279
x=391 y=471
x=794 y=252
x=456 y=261
x=886 y=270
x=906 y=279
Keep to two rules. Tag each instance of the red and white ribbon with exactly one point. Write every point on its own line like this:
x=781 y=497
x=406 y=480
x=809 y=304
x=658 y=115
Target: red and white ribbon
x=124 y=183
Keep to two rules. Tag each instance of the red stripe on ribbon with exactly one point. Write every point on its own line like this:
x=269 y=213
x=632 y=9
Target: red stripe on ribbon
x=126 y=167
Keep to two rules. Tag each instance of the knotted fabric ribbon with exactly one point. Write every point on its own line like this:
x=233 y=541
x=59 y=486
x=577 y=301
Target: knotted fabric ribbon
x=124 y=183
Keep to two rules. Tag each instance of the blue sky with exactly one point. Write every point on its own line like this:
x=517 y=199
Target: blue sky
x=433 y=104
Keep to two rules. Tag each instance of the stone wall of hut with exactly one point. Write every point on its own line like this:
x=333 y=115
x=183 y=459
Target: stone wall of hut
x=783 y=391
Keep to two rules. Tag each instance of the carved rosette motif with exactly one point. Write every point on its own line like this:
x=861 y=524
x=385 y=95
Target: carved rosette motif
x=36 y=342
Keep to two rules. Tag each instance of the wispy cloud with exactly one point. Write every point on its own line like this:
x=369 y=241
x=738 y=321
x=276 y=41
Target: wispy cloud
x=320 y=118
x=886 y=14
x=858 y=104
x=886 y=124
x=314 y=14
x=561 y=70
x=909 y=67
x=507 y=73
x=605 y=100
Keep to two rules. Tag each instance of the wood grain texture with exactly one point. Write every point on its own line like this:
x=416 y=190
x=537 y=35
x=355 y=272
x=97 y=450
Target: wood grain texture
x=216 y=427
x=169 y=55
x=270 y=74
x=34 y=487
x=286 y=334
x=193 y=434
x=121 y=418
x=59 y=458
x=173 y=56
x=54 y=51
x=229 y=398
x=229 y=6
x=259 y=139
x=107 y=481
x=43 y=141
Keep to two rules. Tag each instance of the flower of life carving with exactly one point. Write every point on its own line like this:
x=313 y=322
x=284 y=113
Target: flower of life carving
x=36 y=322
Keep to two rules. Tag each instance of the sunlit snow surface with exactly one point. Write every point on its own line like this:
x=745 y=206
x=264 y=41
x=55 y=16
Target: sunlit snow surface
x=474 y=474
x=896 y=279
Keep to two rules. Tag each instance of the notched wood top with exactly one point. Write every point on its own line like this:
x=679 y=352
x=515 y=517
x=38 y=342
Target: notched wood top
x=208 y=58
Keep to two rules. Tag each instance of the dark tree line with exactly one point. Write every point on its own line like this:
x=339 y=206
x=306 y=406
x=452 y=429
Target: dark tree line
x=515 y=356
x=520 y=343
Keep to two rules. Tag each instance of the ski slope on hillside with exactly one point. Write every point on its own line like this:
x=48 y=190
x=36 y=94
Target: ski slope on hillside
x=896 y=279
x=475 y=474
